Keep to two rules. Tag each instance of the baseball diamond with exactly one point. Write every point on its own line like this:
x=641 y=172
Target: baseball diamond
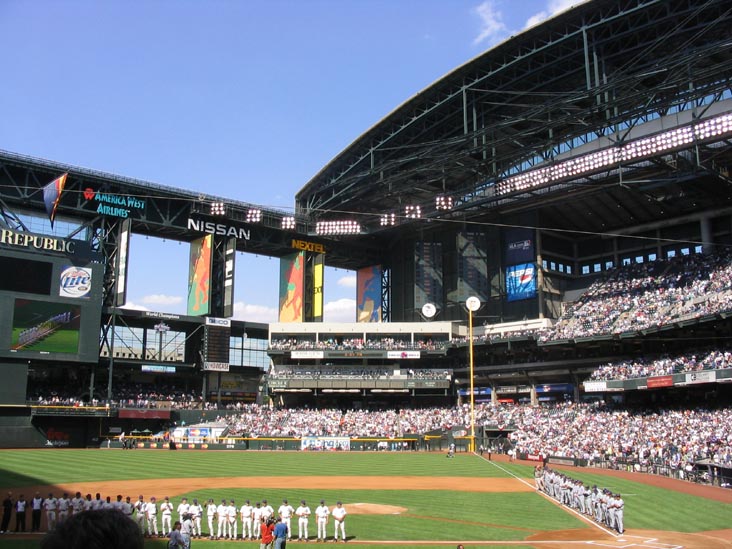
x=497 y=500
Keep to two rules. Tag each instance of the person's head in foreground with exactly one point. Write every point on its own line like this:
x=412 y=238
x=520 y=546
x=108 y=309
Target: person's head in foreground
x=101 y=529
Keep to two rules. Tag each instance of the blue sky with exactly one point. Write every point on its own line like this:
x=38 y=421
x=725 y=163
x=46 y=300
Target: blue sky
x=242 y=99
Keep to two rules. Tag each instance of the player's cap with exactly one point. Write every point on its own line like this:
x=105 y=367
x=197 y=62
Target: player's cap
x=152 y=498
x=264 y=501
x=302 y=501
x=166 y=498
x=338 y=503
x=232 y=501
x=284 y=501
x=247 y=501
x=322 y=501
x=258 y=504
x=223 y=500
x=194 y=500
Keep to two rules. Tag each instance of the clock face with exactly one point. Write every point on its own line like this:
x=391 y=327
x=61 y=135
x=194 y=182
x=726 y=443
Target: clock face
x=429 y=310
x=472 y=303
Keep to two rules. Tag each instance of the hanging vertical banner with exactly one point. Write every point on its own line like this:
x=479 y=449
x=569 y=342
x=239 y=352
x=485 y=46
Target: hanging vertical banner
x=520 y=282
x=472 y=266
x=292 y=281
x=368 y=294
x=427 y=273
x=52 y=196
x=519 y=245
x=229 y=263
x=199 y=276
x=123 y=245
x=318 y=267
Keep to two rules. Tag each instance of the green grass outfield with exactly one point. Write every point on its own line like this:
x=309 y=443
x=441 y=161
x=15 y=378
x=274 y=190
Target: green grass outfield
x=432 y=515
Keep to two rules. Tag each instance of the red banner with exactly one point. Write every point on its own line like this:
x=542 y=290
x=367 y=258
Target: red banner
x=131 y=413
x=660 y=381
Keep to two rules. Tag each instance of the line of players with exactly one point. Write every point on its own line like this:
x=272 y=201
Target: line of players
x=222 y=519
x=602 y=505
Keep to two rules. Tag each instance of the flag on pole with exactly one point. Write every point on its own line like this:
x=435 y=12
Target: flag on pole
x=52 y=195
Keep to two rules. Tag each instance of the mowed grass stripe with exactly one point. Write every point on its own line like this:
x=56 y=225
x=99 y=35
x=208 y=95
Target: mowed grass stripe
x=30 y=467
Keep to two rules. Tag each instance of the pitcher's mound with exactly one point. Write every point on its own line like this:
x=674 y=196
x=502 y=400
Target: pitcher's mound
x=374 y=509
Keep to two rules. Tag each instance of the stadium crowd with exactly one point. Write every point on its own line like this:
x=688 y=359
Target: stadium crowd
x=355 y=344
x=314 y=372
x=640 y=296
x=593 y=432
x=667 y=365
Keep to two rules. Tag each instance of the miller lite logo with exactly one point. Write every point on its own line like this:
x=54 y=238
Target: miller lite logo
x=75 y=282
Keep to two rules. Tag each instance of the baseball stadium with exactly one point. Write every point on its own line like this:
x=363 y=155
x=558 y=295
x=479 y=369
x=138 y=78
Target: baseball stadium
x=541 y=354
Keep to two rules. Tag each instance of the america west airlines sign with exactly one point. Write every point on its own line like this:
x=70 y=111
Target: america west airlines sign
x=209 y=227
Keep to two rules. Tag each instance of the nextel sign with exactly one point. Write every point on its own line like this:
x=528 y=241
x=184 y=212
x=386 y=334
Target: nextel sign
x=308 y=246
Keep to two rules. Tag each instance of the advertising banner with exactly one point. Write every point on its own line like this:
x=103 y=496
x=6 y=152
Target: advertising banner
x=368 y=294
x=520 y=282
x=199 y=276
x=519 y=245
x=701 y=377
x=325 y=443
x=292 y=281
x=660 y=381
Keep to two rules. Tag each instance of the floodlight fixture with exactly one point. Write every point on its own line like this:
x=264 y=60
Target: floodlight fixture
x=660 y=143
x=388 y=220
x=338 y=227
x=218 y=208
x=289 y=223
x=413 y=212
x=443 y=202
x=254 y=215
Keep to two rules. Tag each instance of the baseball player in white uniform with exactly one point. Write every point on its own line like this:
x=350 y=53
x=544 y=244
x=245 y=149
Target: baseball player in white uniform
x=97 y=502
x=257 y=520
x=339 y=521
x=232 y=524
x=222 y=512
x=211 y=515
x=50 y=505
x=64 y=508
x=183 y=509
x=166 y=511
x=151 y=512
x=246 y=520
x=140 y=513
x=303 y=518
x=196 y=511
x=321 y=514
x=285 y=513
x=267 y=510
x=88 y=503
x=77 y=504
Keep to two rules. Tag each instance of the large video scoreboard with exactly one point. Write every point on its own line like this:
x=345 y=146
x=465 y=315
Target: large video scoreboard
x=50 y=298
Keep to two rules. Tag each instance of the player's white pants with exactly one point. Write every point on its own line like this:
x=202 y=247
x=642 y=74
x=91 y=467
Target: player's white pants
x=302 y=528
x=222 y=528
x=51 y=519
x=62 y=516
x=232 y=529
x=288 y=521
x=321 y=528
x=619 y=521
x=257 y=529
x=152 y=525
x=140 y=518
x=166 y=524
x=246 y=527
x=211 y=526
x=342 y=525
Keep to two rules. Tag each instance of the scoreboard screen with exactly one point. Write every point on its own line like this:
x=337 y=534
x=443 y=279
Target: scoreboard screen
x=50 y=307
x=216 y=343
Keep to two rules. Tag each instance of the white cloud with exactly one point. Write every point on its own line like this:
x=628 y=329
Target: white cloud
x=553 y=7
x=491 y=22
x=348 y=281
x=134 y=307
x=162 y=299
x=341 y=310
x=255 y=313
